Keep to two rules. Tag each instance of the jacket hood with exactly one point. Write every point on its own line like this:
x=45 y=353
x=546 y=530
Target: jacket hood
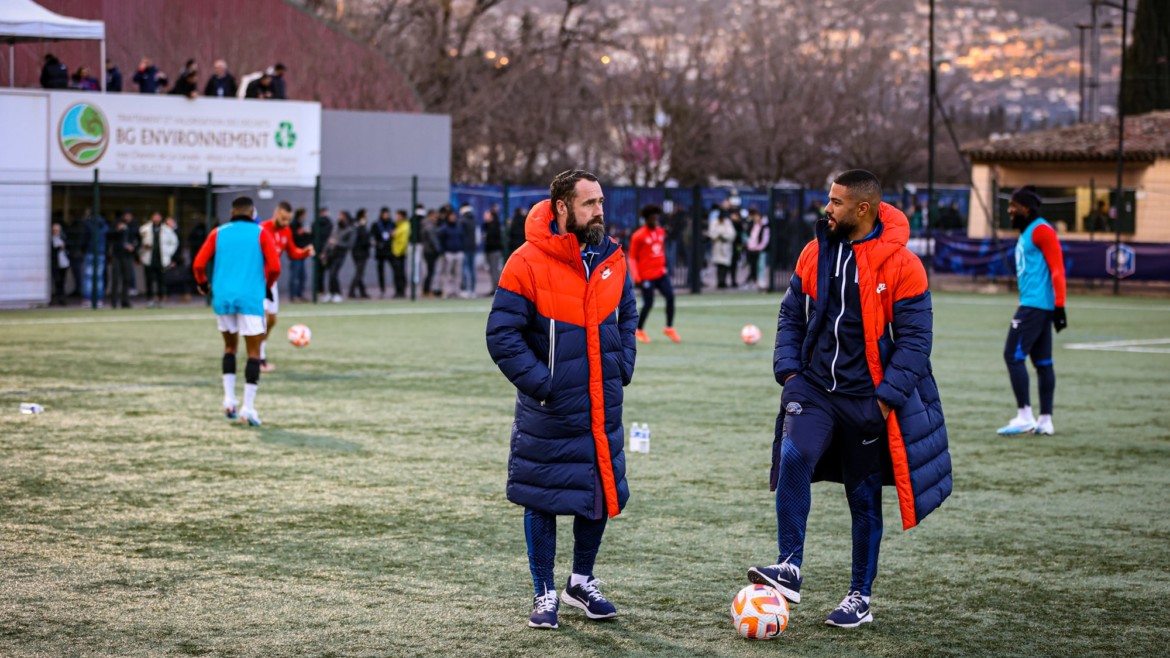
x=541 y=230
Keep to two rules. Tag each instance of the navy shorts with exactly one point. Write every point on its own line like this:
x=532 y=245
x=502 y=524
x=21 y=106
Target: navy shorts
x=1030 y=336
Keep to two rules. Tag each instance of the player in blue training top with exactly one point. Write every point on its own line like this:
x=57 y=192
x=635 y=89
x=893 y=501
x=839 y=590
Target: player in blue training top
x=1040 y=273
x=246 y=265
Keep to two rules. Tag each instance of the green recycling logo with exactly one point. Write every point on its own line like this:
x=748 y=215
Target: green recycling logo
x=286 y=137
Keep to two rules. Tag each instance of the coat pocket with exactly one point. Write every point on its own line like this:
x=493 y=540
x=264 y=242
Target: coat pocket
x=552 y=357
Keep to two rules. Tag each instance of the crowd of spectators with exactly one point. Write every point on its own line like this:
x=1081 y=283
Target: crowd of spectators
x=460 y=254
x=103 y=259
x=149 y=79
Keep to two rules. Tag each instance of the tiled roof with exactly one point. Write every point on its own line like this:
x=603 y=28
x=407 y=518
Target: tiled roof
x=1147 y=138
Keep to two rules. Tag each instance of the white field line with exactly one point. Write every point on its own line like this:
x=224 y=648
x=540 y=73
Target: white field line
x=1144 y=346
x=684 y=301
x=105 y=318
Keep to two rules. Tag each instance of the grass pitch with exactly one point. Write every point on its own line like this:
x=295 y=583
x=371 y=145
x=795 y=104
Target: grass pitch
x=368 y=518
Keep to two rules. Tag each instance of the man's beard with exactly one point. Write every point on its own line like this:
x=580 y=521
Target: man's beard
x=591 y=233
x=1020 y=222
x=842 y=230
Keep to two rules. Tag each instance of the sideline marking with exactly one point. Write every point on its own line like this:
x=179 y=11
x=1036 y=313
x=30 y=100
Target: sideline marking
x=684 y=301
x=1144 y=346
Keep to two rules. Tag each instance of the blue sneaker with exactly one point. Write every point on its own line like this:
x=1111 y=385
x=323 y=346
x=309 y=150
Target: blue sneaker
x=589 y=598
x=784 y=577
x=853 y=612
x=544 y=611
x=1017 y=425
x=231 y=410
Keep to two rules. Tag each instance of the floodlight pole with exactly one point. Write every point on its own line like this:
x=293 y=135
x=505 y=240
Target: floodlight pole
x=930 y=209
x=1120 y=154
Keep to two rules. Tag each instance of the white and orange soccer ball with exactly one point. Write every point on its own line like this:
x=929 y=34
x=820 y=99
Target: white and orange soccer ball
x=299 y=335
x=759 y=612
x=750 y=334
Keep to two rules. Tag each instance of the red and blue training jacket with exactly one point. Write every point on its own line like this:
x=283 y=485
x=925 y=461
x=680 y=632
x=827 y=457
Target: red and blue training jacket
x=565 y=339
x=898 y=328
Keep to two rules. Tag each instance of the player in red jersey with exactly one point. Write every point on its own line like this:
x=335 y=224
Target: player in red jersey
x=648 y=267
x=278 y=228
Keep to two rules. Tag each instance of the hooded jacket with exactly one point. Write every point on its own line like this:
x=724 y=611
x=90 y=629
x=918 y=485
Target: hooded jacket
x=897 y=318
x=565 y=339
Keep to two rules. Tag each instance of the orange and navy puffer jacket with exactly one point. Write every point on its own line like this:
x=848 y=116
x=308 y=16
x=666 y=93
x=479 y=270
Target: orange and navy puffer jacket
x=566 y=341
x=898 y=326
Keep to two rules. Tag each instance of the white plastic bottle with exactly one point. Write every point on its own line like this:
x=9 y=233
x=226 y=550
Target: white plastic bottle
x=645 y=437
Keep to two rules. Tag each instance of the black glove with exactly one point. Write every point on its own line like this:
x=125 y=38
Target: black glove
x=201 y=288
x=268 y=293
x=1059 y=319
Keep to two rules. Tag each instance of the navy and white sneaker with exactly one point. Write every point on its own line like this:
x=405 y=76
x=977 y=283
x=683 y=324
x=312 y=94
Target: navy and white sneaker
x=589 y=598
x=544 y=610
x=853 y=612
x=784 y=577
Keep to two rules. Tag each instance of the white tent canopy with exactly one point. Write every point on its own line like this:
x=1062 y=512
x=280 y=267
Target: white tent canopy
x=25 y=20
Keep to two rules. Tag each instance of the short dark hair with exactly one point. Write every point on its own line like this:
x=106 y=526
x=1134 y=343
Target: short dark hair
x=564 y=186
x=861 y=183
x=285 y=206
x=242 y=205
x=650 y=210
x=402 y=212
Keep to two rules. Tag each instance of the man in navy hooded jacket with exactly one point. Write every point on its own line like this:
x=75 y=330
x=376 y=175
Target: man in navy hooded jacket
x=860 y=405
x=561 y=329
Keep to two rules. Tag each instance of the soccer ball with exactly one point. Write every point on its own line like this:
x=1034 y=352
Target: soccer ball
x=750 y=334
x=759 y=612
x=299 y=335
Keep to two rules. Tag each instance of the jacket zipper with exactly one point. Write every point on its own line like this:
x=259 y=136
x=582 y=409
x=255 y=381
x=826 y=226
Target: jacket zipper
x=552 y=351
x=837 y=323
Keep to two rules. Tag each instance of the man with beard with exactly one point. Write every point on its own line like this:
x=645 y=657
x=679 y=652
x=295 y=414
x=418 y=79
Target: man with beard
x=279 y=229
x=1040 y=273
x=561 y=329
x=860 y=405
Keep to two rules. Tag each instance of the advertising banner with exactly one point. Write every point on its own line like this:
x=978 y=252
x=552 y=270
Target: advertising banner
x=174 y=140
x=1137 y=261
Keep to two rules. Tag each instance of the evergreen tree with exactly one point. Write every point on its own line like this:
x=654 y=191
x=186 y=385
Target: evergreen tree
x=1147 y=60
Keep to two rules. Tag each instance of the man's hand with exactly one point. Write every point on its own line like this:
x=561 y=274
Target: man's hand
x=1059 y=319
x=885 y=409
x=201 y=288
x=312 y=251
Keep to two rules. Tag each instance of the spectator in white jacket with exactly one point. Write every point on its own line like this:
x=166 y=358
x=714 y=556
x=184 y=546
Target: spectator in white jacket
x=159 y=244
x=721 y=231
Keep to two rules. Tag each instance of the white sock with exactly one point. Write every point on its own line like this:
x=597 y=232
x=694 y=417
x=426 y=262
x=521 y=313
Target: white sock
x=577 y=579
x=866 y=599
x=1044 y=418
x=1025 y=413
x=229 y=387
x=250 y=395
x=263 y=344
